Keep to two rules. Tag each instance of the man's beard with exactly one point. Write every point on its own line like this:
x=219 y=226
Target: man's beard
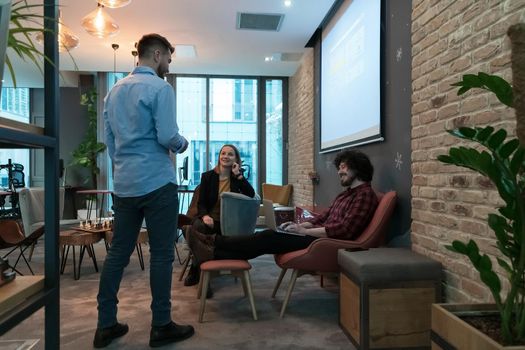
x=160 y=74
x=348 y=181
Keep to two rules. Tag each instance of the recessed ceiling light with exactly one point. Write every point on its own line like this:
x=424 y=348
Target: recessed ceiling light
x=287 y=3
x=268 y=58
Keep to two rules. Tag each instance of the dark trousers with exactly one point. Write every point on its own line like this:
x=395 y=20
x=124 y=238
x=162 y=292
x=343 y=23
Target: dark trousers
x=200 y=226
x=265 y=242
x=160 y=209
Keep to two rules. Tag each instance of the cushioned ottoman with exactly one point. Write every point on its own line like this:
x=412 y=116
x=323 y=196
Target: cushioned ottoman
x=385 y=297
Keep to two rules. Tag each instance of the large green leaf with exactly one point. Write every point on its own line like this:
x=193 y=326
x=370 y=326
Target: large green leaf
x=483 y=134
x=517 y=160
x=463 y=132
x=492 y=280
x=496 y=139
x=504 y=265
x=499 y=86
x=458 y=247
x=508 y=148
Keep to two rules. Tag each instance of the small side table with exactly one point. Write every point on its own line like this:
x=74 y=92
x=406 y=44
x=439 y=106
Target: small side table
x=84 y=239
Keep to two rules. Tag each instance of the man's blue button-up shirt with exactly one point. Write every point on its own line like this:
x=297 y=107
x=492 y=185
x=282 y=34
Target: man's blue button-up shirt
x=140 y=129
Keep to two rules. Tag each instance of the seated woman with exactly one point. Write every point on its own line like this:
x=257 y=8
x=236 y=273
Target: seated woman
x=225 y=177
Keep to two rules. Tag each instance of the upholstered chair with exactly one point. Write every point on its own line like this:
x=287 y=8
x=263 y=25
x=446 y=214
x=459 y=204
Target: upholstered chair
x=320 y=257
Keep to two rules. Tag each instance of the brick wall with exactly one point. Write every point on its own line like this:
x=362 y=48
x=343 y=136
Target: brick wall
x=301 y=130
x=451 y=38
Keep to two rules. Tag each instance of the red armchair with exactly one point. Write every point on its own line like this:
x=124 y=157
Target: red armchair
x=321 y=256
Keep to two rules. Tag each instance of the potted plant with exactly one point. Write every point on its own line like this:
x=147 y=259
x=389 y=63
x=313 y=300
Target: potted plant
x=502 y=161
x=23 y=22
x=19 y=21
x=87 y=151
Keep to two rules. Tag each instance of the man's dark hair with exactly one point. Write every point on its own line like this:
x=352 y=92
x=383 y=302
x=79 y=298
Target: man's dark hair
x=358 y=162
x=150 y=42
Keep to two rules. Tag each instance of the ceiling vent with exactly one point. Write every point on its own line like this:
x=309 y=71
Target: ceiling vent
x=291 y=56
x=259 y=21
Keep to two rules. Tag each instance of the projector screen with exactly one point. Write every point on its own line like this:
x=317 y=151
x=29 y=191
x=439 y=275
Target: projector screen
x=351 y=76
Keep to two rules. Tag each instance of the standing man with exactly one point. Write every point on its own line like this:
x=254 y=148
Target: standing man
x=140 y=130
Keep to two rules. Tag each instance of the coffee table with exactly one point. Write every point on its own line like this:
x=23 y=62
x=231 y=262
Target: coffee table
x=84 y=239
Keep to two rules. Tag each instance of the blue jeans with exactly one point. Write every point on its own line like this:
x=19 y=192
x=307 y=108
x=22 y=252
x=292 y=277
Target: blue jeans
x=160 y=209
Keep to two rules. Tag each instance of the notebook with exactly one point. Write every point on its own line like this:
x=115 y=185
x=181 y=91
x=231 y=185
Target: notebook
x=269 y=217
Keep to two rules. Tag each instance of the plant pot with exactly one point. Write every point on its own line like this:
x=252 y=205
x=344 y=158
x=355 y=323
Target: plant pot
x=451 y=332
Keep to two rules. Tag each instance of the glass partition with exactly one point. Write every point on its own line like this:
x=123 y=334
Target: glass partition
x=14 y=105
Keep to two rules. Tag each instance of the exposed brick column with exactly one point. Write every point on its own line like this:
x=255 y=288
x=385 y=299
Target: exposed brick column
x=301 y=131
x=449 y=39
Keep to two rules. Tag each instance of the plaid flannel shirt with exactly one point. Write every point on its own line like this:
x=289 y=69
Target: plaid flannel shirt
x=349 y=214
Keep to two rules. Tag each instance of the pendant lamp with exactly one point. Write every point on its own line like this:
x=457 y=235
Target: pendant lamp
x=67 y=41
x=113 y=4
x=98 y=23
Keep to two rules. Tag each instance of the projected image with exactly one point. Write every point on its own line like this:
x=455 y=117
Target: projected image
x=350 y=75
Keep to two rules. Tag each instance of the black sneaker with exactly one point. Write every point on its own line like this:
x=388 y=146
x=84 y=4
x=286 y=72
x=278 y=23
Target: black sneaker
x=169 y=333
x=193 y=276
x=104 y=336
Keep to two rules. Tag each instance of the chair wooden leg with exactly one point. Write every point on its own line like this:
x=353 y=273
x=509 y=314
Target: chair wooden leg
x=247 y=282
x=322 y=281
x=204 y=285
x=289 y=291
x=244 y=284
x=279 y=280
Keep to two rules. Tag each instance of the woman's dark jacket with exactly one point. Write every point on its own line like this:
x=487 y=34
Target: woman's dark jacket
x=209 y=190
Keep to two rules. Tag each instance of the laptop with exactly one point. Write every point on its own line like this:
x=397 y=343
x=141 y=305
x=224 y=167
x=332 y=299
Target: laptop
x=269 y=219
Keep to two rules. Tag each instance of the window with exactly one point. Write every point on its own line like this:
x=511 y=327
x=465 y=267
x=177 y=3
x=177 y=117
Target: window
x=233 y=120
x=14 y=104
x=191 y=119
x=213 y=111
x=112 y=80
x=274 y=131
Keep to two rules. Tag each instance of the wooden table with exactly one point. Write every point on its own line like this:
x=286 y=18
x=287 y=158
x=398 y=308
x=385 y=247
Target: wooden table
x=84 y=239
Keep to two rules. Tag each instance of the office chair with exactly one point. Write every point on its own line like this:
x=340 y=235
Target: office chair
x=183 y=171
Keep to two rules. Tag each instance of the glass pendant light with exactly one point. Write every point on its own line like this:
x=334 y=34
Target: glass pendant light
x=113 y=4
x=67 y=41
x=98 y=23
